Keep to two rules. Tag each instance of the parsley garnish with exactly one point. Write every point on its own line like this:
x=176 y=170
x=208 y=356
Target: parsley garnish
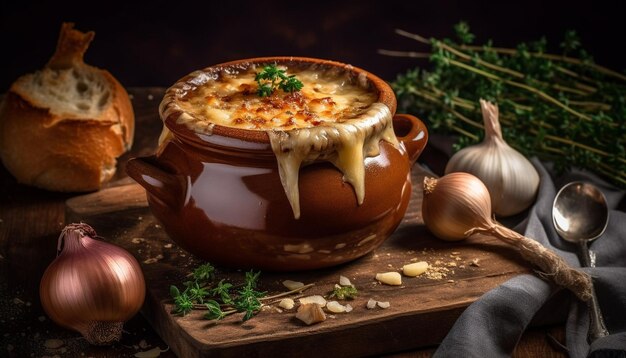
x=271 y=78
x=344 y=292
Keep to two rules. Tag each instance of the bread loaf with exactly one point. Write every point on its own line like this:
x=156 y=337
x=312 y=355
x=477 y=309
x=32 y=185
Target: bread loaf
x=62 y=127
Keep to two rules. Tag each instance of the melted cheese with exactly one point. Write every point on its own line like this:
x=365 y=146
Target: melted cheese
x=231 y=100
x=344 y=144
x=334 y=118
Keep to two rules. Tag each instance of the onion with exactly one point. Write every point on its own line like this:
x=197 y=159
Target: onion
x=92 y=287
x=457 y=206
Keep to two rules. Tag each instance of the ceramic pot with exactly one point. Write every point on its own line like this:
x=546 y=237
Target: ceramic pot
x=220 y=197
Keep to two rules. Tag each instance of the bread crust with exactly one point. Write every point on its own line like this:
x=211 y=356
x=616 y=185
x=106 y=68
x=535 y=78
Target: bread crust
x=71 y=155
x=64 y=151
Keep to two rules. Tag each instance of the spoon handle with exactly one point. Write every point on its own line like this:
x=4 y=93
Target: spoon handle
x=585 y=257
x=597 y=329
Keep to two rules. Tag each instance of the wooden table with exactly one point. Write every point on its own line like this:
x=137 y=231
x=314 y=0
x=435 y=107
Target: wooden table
x=30 y=222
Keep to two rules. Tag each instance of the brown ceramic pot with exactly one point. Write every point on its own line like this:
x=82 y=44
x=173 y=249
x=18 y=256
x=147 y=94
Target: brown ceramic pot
x=220 y=197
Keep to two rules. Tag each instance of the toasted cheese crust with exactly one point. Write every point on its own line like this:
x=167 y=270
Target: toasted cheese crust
x=230 y=99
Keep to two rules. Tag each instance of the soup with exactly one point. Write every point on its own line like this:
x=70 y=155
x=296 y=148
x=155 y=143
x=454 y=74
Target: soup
x=334 y=117
x=231 y=99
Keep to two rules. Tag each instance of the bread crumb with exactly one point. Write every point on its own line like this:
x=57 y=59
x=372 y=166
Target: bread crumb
x=153 y=259
x=450 y=281
x=435 y=272
x=475 y=263
x=53 y=343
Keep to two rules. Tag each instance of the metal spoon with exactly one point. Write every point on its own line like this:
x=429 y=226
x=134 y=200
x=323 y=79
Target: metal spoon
x=580 y=214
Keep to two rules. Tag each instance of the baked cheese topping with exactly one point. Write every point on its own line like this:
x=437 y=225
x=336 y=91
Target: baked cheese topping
x=231 y=100
x=334 y=117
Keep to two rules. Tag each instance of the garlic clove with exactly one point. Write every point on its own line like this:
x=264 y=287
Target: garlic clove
x=415 y=269
x=316 y=299
x=335 y=307
x=389 y=278
x=310 y=313
x=383 y=305
x=371 y=304
x=286 y=303
x=292 y=285
x=344 y=281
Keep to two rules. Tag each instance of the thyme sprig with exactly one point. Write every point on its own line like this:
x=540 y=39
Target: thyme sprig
x=562 y=108
x=221 y=299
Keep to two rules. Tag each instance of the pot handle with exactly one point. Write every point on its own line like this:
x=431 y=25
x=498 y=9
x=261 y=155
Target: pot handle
x=167 y=187
x=412 y=133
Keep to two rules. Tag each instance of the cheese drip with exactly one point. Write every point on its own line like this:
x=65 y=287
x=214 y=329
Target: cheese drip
x=344 y=144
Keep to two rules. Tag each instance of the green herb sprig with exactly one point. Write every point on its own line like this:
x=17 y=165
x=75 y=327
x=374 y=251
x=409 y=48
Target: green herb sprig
x=271 y=78
x=562 y=108
x=344 y=292
x=221 y=299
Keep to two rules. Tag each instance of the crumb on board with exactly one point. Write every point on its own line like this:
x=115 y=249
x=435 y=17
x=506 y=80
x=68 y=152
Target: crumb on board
x=153 y=259
x=436 y=272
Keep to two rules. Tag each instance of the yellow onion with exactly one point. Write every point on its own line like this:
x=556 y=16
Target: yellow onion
x=460 y=204
x=92 y=287
x=457 y=206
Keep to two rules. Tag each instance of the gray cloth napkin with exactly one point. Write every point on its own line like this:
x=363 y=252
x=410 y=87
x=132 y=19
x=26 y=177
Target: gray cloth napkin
x=492 y=326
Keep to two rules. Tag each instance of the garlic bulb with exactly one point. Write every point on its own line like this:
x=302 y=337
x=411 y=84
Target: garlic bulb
x=511 y=179
x=92 y=287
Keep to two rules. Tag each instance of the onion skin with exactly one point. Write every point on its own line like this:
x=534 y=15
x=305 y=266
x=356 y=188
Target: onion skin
x=92 y=287
x=458 y=205
x=448 y=211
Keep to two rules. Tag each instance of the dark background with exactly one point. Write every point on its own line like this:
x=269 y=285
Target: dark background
x=155 y=43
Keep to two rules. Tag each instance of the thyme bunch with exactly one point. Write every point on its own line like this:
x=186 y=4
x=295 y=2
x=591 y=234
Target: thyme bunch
x=562 y=108
x=221 y=299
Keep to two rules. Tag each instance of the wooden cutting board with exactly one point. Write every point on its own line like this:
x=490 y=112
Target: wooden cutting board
x=422 y=310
